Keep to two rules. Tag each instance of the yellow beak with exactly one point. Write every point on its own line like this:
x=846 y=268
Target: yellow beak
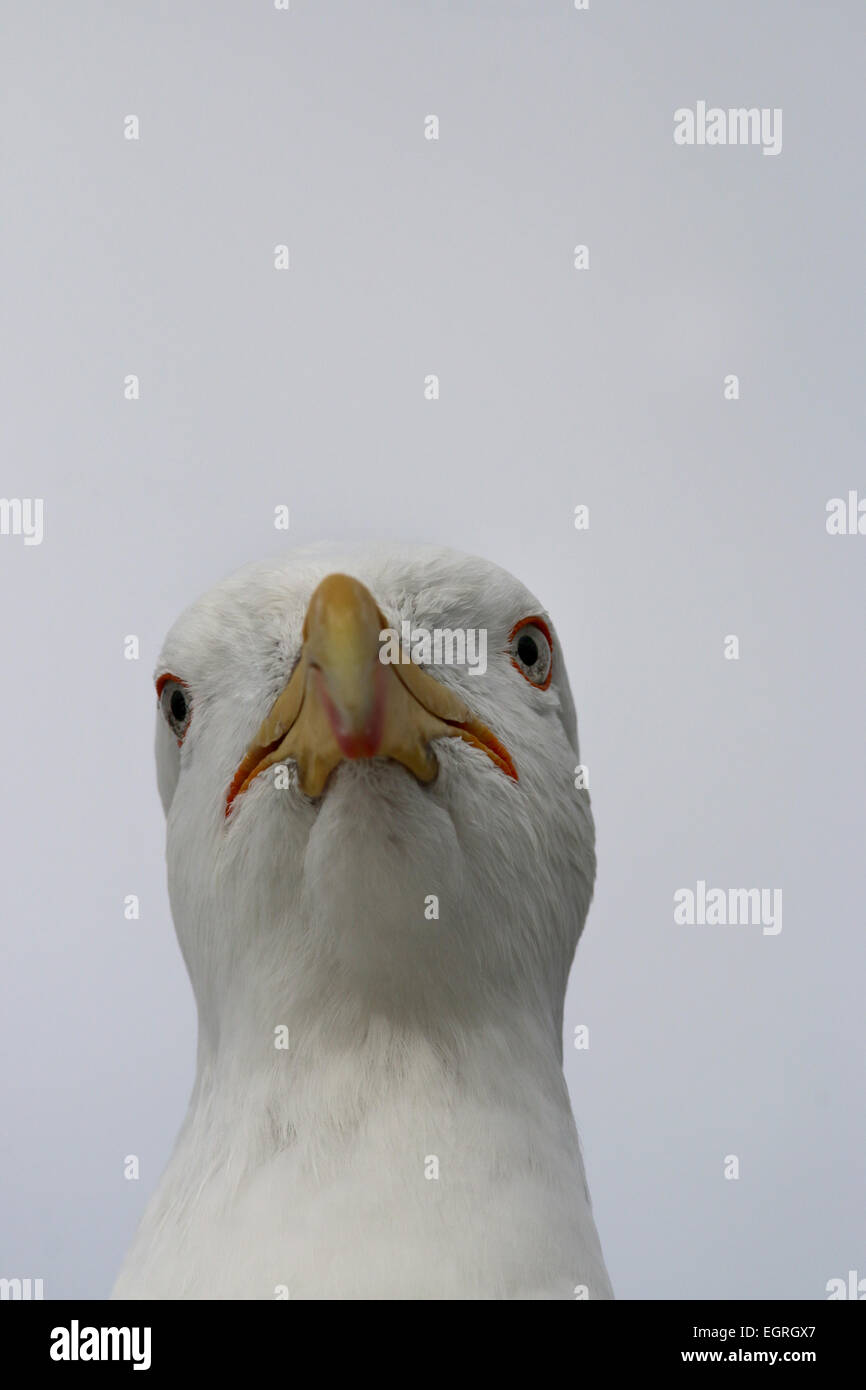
x=343 y=703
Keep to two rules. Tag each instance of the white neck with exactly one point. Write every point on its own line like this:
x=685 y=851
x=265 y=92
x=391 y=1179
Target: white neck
x=401 y=1145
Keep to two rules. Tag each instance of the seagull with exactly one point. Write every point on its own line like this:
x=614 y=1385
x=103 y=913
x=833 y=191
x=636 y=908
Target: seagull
x=378 y=874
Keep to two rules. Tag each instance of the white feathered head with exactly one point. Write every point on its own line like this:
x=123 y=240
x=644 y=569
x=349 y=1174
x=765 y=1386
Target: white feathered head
x=349 y=838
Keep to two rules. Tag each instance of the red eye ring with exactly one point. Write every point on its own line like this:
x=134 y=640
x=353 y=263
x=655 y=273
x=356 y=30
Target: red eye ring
x=161 y=683
x=534 y=621
x=163 y=680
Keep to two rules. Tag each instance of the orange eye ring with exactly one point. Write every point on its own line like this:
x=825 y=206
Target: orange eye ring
x=168 y=678
x=163 y=680
x=534 y=621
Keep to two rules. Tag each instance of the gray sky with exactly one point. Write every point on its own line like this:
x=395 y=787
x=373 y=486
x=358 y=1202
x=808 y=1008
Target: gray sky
x=558 y=387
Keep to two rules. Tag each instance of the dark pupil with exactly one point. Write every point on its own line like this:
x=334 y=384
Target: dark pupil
x=527 y=650
x=178 y=705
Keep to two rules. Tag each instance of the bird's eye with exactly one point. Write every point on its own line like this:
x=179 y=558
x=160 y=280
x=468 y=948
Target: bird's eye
x=175 y=704
x=532 y=651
